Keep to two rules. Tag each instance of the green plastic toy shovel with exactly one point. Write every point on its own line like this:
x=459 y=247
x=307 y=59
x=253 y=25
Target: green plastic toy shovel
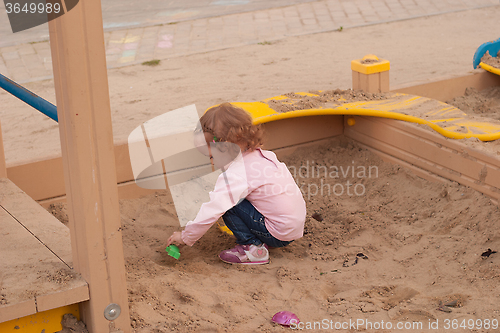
x=173 y=251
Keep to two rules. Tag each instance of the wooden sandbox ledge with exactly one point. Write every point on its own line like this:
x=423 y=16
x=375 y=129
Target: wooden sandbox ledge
x=35 y=258
x=396 y=141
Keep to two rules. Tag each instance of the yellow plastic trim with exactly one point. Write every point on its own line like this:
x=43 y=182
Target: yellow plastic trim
x=257 y=109
x=305 y=94
x=377 y=113
x=456 y=122
x=45 y=321
x=371 y=68
x=277 y=98
x=489 y=68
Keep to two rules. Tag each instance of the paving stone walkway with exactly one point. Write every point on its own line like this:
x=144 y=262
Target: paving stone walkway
x=32 y=61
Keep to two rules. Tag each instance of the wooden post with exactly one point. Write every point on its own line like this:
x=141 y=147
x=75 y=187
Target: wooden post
x=3 y=167
x=81 y=83
x=370 y=74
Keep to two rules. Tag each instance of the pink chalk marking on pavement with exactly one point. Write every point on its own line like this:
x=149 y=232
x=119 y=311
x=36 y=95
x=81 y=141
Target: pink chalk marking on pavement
x=166 y=42
x=130 y=46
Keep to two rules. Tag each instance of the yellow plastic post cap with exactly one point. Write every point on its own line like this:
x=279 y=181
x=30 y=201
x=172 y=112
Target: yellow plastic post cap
x=370 y=57
x=370 y=64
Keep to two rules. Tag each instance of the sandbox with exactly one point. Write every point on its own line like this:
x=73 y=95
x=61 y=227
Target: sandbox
x=381 y=244
x=423 y=242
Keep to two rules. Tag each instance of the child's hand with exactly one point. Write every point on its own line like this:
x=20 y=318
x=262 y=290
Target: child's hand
x=175 y=238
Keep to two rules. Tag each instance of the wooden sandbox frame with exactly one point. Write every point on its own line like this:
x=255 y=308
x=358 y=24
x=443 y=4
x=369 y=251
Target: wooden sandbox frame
x=427 y=153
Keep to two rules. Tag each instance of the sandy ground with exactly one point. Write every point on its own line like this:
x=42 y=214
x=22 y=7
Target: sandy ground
x=423 y=241
x=485 y=103
x=493 y=61
x=423 y=244
x=381 y=246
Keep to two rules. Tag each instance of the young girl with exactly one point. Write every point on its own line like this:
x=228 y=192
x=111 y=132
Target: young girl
x=259 y=202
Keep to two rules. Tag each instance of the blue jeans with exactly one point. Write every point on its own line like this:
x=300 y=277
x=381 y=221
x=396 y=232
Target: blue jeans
x=248 y=226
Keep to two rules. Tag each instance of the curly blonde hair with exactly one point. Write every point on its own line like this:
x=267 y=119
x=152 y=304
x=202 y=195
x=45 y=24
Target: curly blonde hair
x=229 y=123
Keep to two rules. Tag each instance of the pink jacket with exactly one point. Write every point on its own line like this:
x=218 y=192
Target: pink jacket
x=267 y=184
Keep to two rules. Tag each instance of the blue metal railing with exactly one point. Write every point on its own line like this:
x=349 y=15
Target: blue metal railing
x=28 y=97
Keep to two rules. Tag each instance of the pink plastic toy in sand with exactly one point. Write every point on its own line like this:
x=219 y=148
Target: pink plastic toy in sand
x=285 y=318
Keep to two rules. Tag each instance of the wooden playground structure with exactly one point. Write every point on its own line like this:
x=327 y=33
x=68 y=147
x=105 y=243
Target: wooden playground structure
x=92 y=174
x=94 y=239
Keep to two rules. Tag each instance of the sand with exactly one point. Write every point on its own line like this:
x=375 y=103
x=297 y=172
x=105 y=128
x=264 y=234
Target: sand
x=493 y=61
x=484 y=104
x=422 y=245
x=423 y=242
x=322 y=99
